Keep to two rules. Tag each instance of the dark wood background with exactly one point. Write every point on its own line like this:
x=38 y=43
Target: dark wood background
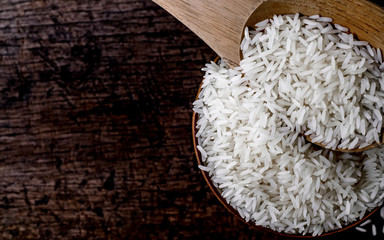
x=95 y=125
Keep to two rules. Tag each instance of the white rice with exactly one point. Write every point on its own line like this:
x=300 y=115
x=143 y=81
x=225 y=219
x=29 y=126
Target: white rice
x=251 y=120
x=366 y=222
x=361 y=229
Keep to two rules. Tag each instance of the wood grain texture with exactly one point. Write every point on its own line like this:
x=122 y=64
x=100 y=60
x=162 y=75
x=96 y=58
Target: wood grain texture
x=95 y=125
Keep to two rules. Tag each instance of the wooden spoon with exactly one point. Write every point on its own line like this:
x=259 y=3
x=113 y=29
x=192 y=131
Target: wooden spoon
x=221 y=23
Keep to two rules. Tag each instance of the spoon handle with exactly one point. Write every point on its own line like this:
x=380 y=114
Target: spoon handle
x=219 y=23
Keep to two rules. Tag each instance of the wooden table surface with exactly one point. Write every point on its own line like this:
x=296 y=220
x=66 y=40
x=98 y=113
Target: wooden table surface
x=95 y=125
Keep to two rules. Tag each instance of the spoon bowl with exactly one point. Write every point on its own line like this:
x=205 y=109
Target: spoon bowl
x=361 y=25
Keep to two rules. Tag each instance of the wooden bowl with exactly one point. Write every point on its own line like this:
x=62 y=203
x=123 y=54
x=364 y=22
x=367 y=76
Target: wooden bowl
x=364 y=19
x=236 y=213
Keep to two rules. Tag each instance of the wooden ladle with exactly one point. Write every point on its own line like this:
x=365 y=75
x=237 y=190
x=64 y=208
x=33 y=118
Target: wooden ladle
x=221 y=23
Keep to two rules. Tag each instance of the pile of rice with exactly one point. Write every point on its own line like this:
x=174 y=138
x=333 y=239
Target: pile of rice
x=299 y=76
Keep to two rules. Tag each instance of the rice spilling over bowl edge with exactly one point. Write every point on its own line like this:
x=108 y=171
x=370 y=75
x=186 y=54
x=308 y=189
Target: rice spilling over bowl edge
x=299 y=75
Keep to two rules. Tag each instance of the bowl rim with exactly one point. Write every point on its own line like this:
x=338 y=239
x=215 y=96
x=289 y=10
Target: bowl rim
x=236 y=213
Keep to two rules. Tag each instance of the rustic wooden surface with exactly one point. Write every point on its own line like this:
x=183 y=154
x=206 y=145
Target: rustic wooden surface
x=95 y=115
